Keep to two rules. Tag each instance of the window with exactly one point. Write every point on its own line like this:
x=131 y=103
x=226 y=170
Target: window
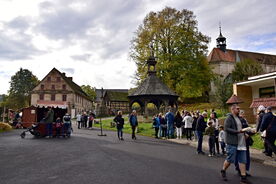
x=64 y=87
x=49 y=79
x=53 y=97
x=42 y=86
x=53 y=87
x=41 y=96
x=58 y=79
x=64 y=98
x=267 y=92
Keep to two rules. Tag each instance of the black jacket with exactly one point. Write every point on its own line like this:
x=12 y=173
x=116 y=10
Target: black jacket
x=201 y=124
x=119 y=121
x=268 y=123
x=178 y=121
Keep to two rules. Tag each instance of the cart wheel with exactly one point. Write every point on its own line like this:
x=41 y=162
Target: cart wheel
x=23 y=135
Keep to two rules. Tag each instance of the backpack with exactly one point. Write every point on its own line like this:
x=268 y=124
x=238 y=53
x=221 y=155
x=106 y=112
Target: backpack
x=66 y=118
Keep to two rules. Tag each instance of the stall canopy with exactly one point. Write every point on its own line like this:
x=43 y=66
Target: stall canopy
x=55 y=104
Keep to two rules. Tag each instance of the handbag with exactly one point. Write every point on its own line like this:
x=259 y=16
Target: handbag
x=250 y=141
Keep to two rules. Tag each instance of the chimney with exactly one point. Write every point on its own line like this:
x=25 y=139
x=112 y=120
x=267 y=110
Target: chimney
x=70 y=78
x=63 y=74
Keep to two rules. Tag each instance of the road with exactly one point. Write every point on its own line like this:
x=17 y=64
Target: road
x=89 y=158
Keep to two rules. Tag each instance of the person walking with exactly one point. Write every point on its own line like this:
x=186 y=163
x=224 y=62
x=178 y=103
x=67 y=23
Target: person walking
x=200 y=128
x=210 y=131
x=79 y=120
x=269 y=125
x=178 y=124
x=133 y=120
x=119 y=120
x=169 y=117
x=188 y=125
x=215 y=122
x=235 y=144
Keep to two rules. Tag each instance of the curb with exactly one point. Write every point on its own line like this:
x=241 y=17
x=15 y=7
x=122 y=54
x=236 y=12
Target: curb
x=270 y=163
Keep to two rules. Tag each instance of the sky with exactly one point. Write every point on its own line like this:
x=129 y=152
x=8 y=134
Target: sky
x=89 y=40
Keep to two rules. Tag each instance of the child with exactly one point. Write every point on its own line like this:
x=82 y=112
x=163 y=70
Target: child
x=58 y=126
x=221 y=139
x=210 y=131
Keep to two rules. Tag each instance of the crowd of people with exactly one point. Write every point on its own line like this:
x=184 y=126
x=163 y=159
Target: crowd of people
x=85 y=120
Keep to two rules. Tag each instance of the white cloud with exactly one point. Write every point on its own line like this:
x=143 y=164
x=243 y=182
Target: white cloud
x=90 y=39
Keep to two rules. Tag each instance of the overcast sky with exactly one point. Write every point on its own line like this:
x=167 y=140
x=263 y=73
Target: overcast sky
x=90 y=39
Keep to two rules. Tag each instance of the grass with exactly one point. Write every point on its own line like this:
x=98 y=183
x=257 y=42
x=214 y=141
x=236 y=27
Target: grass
x=144 y=128
x=258 y=142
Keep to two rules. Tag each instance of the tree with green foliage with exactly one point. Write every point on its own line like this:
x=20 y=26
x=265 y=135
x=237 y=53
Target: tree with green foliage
x=246 y=68
x=90 y=91
x=180 y=49
x=223 y=90
x=21 y=85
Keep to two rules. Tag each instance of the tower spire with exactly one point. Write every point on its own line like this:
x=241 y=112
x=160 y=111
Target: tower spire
x=221 y=40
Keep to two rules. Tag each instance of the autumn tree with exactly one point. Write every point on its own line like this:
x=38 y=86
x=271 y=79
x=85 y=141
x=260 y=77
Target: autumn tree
x=90 y=91
x=246 y=68
x=21 y=85
x=180 y=49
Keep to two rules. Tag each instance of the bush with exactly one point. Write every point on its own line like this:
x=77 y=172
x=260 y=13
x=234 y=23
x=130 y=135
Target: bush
x=5 y=126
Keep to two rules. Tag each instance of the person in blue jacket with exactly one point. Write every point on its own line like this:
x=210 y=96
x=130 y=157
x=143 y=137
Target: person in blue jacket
x=169 y=117
x=133 y=120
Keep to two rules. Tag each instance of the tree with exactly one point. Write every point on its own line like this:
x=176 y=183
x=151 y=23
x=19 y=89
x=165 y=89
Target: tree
x=21 y=85
x=246 y=68
x=91 y=92
x=223 y=90
x=180 y=50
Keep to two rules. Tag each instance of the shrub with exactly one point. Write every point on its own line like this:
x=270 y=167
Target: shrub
x=5 y=126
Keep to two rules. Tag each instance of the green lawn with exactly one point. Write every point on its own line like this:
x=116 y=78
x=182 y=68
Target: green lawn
x=258 y=142
x=143 y=128
x=146 y=129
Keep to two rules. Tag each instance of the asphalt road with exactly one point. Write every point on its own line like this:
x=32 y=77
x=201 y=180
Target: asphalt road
x=88 y=158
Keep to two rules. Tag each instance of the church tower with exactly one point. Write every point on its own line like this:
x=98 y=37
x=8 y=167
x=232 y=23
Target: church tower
x=221 y=41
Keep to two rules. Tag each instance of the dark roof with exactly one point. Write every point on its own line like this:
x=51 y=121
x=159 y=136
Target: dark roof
x=119 y=96
x=99 y=92
x=236 y=55
x=152 y=85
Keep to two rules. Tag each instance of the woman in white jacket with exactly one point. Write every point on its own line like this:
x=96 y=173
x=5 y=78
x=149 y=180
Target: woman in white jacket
x=188 y=121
